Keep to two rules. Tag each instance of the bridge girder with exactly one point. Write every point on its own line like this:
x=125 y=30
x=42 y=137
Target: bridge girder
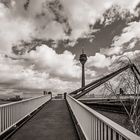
x=89 y=87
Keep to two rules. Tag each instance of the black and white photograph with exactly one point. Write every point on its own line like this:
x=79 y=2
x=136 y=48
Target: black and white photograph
x=69 y=69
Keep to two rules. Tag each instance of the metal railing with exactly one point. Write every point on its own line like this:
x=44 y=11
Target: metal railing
x=12 y=113
x=96 y=126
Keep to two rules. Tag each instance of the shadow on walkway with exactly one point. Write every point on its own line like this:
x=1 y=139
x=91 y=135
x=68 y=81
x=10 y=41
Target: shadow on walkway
x=52 y=122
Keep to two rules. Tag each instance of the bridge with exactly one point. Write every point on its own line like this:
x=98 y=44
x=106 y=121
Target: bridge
x=43 y=117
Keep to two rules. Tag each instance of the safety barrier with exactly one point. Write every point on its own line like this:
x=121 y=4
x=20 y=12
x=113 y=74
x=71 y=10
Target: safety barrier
x=95 y=126
x=12 y=113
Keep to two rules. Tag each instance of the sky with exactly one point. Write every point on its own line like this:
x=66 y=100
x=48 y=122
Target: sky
x=41 y=41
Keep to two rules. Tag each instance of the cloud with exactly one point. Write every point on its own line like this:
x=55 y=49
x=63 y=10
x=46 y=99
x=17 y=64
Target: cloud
x=41 y=69
x=104 y=63
x=82 y=13
x=129 y=33
x=46 y=59
x=99 y=61
x=116 y=13
x=128 y=4
x=55 y=19
x=127 y=41
x=59 y=15
x=132 y=55
x=12 y=30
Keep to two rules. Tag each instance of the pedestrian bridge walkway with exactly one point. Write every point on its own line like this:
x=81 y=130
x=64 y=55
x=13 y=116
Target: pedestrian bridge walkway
x=52 y=122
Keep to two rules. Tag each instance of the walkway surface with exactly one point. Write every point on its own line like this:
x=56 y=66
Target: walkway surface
x=52 y=122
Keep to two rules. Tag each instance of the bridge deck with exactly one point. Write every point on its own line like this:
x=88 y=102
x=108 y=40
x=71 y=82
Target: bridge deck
x=53 y=122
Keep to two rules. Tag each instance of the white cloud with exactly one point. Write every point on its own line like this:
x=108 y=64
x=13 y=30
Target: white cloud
x=125 y=42
x=99 y=61
x=12 y=30
x=81 y=13
x=18 y=77
x=128 y=4
x=132 y=55
x=129 y=33
x=41 y=69
x=46 y=59
x=111 y=51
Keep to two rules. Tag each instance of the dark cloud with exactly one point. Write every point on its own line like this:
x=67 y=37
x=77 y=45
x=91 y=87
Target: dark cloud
x=6 y=2
x=26 y=5
x=58 y=10
x=116 y=13
x=22 y=47
x=137 y=7
x=26 y=47
x=102 y=39
x=18 y=50
x=40 y=15
x=117 y=20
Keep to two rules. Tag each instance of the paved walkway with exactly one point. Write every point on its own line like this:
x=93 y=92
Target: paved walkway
x=53 y=122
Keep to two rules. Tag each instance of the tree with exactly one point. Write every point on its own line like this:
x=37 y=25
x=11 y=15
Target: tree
x=128 y=84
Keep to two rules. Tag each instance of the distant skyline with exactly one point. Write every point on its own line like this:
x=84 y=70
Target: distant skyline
x=41 y=41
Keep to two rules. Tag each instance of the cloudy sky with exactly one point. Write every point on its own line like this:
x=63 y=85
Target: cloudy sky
x=41 y=40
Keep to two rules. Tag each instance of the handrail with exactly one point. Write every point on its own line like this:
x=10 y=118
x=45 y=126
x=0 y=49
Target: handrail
x=12 y=113
x=25 y=100
x=96 y=126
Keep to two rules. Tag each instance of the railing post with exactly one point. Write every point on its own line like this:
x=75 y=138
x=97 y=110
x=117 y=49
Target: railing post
x=50 y=93
x=0 y=120
x=65 y=94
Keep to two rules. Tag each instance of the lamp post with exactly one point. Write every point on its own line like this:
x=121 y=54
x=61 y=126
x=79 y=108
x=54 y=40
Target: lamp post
x=83 y=59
